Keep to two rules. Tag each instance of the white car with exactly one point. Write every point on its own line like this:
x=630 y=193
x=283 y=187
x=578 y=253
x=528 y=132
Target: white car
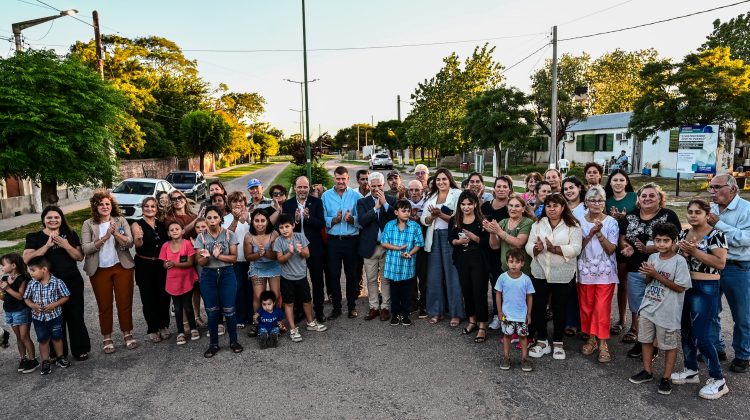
x=381 y=160
x=131 y=192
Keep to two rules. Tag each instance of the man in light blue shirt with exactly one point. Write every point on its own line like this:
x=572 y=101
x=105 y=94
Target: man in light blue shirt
x=731 y=214
x=340 y=213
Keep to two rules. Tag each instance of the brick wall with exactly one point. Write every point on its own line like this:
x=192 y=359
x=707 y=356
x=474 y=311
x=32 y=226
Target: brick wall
x=147 y=168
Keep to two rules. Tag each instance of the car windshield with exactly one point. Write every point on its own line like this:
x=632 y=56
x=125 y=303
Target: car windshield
x=135 y=187
x=179 y=178
x=380 y=156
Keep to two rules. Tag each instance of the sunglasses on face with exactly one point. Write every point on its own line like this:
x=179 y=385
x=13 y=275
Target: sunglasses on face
x=277 y=194
x=420 y=173
x=176 y=199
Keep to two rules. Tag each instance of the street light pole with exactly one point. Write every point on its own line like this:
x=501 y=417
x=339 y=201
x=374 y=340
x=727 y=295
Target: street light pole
x=307 y=98
x=20 y=26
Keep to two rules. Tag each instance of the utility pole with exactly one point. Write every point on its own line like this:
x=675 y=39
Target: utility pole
x=307 y=99
x=98 y=42
x=398 y=106
x=357 y=140
x=553 y=117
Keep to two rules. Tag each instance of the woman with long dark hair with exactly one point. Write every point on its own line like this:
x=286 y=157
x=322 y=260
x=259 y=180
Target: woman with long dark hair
x=62 y=247
x=554 y=243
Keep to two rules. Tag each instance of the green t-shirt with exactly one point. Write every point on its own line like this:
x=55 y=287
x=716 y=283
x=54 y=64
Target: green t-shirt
x=524 y=227
x=627 y=203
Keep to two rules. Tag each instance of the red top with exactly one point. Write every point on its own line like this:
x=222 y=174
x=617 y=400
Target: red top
x=179 y=280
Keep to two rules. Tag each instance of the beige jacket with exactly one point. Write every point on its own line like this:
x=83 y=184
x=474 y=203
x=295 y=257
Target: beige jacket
x=451 y=201
x=552 y=267
x=89 y=236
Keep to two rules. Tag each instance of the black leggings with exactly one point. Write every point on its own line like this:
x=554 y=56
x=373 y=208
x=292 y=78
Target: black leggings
x=561 y=294
x=472 y=273
x=184 y=302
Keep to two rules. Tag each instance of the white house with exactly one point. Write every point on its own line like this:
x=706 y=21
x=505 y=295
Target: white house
x=600 y=137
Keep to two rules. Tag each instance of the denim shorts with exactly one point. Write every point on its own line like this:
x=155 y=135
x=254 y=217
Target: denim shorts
x=636 y=290
x=17 y=318
x=264 y=269
x=46 y=330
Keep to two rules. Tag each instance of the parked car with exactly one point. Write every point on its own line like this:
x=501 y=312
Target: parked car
x=192 y=183
x=131 y=192
x=381 y=160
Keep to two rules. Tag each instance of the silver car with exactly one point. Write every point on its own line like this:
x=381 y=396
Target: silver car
x=381 y=160
x=131 y=192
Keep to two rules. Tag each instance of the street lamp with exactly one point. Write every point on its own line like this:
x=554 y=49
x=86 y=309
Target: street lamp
x=302 y=85
x=20 y=26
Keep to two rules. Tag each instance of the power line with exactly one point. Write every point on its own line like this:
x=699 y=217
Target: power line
x=595 y=13
x=74 y=17
x=655 y=22
x=373 y=47
x=34 y=4
x=527 y=57
x=52 y=23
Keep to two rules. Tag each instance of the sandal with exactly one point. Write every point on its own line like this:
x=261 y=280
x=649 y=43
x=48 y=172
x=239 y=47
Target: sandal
x=154 y=337
x=483 y=338
x=81 y=357
x=181 y=339
x=455 y=322
x=164 y=333
x=195 y=335
x=434 y=320
x=236 y=347
x=470 y=328
x=109 y=346
x=570 y=332
x=616 y=329
x=212 y=350
x=590 y=347
x=630 y=336
x=604 y=356
x=130 y=342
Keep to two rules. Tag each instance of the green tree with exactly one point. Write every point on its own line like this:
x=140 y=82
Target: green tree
x=614 y=80
x=390 y=135
x=498 y=116
x=268 y=145
x=205 y=132
x=57 y=119
x=734 y=34
x=242 y=106
x=571 y=73
x=706 y=88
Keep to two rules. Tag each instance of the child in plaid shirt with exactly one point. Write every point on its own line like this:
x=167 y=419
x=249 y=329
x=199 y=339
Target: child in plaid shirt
x=401 y=238
x=45 y=295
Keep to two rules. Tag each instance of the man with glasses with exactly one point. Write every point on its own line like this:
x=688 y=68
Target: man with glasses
x=307 y=213
x=731 y=214
x=422 y=174
x=340 y=212
x=416 y=198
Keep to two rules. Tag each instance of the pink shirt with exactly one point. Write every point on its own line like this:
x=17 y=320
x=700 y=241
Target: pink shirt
x=179 y=280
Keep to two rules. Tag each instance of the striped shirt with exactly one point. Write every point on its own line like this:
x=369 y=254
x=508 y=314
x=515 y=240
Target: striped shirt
x=46 y=294
x=397 y=267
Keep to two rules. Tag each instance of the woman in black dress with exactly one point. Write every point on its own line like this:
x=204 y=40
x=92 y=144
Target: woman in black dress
x=62 y=247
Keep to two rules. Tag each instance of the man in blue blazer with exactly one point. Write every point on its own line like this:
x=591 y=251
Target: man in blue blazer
x=307 y=212
x=375 y=210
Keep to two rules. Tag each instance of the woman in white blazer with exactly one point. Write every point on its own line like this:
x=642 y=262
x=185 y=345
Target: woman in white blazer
x=441 y=272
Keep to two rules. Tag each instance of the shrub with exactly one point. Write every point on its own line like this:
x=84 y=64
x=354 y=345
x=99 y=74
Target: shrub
x=319 y=174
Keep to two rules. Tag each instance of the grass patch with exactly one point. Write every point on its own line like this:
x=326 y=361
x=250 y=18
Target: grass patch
x=241 y=171
x=75 y=220
x=284 y=177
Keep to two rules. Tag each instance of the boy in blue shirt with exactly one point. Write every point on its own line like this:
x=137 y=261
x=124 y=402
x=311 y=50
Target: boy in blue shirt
x=514 y=292
x=269 y=319
x=401 y=239
x=45 y=295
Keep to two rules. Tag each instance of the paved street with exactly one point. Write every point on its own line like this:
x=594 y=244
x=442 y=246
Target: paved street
x=356 y=369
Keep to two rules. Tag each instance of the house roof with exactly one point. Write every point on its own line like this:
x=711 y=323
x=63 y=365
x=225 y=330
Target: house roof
x=602 y=121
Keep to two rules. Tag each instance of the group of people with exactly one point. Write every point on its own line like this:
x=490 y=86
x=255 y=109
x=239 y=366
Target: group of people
x=560 y=251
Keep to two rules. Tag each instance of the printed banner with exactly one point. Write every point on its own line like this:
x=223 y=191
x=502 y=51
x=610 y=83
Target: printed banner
x=697 y=149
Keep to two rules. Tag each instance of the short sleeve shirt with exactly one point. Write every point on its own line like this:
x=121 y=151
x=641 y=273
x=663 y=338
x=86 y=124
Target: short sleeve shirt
x=662 y=305
x=595 y=266
x=180 y=280
x=296 y=267
x=633 y=227
x=153 y=238
x=397 y=267
x=62 y=264
x=514 y=296
x=269 y=321
x=523 y=227
x=714 y=240
x=225 y=238
x=45 y=294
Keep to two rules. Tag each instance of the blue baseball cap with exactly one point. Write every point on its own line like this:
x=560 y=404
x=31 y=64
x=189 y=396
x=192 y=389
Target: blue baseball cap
x=255 y=182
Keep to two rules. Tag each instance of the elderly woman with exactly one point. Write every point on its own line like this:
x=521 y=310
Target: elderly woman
x=62 y=247
x=554 y=243
x=441 y=273
x=597 y=273
x=636 y=245
x=108 y=263
x=149 y=234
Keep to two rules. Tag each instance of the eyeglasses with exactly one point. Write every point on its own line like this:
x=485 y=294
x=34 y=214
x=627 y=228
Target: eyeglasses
x=176 y=199
x=278 y=194
x=595 y=201
x=715 y=187
x=420 y=173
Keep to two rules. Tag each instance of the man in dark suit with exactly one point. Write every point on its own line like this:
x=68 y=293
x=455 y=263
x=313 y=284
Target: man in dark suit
x=374 y=211
x=307 y=212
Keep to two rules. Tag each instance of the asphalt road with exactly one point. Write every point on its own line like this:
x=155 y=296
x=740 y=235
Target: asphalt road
x=356 y=369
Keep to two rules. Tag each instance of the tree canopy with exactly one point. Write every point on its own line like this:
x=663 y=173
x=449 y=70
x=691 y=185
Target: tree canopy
x=614 y=79
x=205 y=132
x=734 y=34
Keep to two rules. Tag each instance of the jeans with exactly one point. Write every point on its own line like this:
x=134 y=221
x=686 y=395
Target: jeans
x=735 y=284
x=636 y=290
x=700 y=308
x=219 y=290
x=573 y=311
x=401 y=299
x=244 y=293
x=443 y=276
x=344 y=251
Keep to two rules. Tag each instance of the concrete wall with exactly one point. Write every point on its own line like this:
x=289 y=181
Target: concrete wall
x=147 y=168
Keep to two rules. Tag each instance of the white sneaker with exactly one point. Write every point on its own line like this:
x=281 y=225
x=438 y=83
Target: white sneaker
x=687 y=376
x=495 y=324
x=714 y=389
x=558 y=352
x=314 y=326
x=295 y=335
x=540 y=349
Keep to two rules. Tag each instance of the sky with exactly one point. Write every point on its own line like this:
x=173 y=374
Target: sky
x=361 y=85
